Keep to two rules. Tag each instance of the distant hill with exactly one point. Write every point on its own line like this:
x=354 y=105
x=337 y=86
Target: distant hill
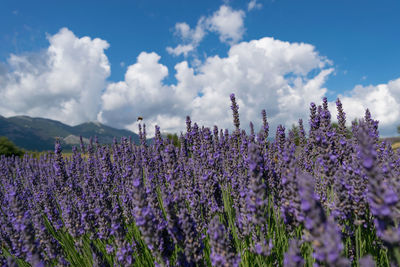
x=39 y=134
x=392 y=140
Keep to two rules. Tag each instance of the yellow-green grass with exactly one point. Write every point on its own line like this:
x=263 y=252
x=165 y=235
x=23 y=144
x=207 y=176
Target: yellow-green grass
x=70 y=154
x=396 y=145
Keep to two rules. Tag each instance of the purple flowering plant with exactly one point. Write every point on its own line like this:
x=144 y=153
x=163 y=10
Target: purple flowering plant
x=326 y=197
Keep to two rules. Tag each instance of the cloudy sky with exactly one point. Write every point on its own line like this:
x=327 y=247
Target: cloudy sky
x=112 y=61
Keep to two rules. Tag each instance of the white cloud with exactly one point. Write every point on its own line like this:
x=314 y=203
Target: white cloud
x=253 y=5
x=67 y=81
x=382 y=100
x=142 y=93
x=265 y=73
x=226 y=22
x=63 y=82
x=180 y=49
x=183 y=30
x=194 y=36
x=190 y=37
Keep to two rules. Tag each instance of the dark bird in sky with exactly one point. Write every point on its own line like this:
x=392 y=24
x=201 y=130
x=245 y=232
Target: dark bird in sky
x=139 y=118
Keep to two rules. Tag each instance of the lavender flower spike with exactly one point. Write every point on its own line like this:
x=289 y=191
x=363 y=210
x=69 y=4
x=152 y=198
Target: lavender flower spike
x=265 y=123
x=293 y=257
x=322 y=230
x=222 y=253
x=341 y=117
x=235 y=110
x=382 y=198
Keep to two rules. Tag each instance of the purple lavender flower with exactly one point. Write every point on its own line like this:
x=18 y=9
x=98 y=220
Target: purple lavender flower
x=59 y=167
x=153 y=231
x=367 y=261
x=11 y=262
x=82 y=145
x=321 y=230
x=222 y=250
x=314 y=118
x=19 y=225
x=323 y=154
x=280 y=137
x=383 y=200
x=48 y=244
x=290 y=204
x=325 y=114
x=235 y=110
x=125 y=253
x=192 y=243
x=293 y=256
x=302 y=134
x=372 y=125
x=265 y=123
x=257 y=200
x=188 y=124
x=341 y=117
x=98 y=257
x=350 y=186
x=261 y=246
x=177 y=196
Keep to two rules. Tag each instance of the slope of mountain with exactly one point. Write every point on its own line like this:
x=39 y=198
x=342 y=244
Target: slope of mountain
x=104 y=133
x=40 y=134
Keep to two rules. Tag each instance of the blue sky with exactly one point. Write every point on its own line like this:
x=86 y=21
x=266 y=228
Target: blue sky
x=358 y=40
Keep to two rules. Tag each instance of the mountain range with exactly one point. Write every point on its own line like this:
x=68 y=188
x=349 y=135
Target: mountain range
x=39 y=134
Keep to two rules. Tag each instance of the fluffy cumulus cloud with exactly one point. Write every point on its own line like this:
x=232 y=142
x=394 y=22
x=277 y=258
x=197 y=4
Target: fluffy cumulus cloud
x=68 y=82
x=265 y=73
x=142 y=93
x=64 y=82
x=382 y=100
x=227 y=23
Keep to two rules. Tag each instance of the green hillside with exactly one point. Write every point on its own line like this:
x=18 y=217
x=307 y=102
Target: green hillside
x=39 y=134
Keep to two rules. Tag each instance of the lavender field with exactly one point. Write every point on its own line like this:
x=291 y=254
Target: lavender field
x=329 y=197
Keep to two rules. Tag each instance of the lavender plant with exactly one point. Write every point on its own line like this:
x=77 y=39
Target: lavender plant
x=219 y=198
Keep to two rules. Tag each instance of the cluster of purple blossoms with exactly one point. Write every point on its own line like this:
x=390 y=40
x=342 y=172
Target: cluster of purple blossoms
x=222 y=250
x=383 y=198
x=322 y=231
x=293 y=257
x=290 y=204
x=327 y=197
